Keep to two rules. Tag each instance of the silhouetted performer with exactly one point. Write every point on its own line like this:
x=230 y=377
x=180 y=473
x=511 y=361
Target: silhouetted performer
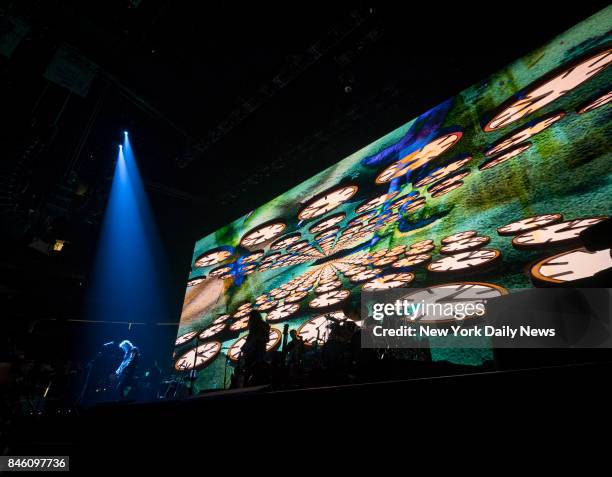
x=352 y=312
x=254 y=348
x=125 y=371
x=295 y=349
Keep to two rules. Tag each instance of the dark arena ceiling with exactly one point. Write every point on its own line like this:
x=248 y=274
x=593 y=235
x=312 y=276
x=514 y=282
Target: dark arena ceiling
x=227 y=107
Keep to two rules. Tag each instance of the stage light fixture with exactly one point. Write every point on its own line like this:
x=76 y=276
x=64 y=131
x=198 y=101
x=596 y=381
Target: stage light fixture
x=58 y=246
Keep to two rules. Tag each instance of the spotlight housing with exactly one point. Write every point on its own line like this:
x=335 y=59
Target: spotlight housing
x=58 y=246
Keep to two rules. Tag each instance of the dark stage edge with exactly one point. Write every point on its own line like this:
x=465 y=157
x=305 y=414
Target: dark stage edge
x=224 y=425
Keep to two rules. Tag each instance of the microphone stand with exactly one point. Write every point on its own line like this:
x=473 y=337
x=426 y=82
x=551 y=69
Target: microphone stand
x=90 y=365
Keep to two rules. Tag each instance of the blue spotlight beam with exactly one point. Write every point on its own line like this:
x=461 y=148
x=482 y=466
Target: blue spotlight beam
x=127 y=281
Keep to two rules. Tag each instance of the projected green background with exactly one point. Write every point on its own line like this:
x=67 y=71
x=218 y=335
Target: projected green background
x=437 y=175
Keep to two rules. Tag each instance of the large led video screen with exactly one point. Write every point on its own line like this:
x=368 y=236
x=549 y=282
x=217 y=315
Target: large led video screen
x=491 y=187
